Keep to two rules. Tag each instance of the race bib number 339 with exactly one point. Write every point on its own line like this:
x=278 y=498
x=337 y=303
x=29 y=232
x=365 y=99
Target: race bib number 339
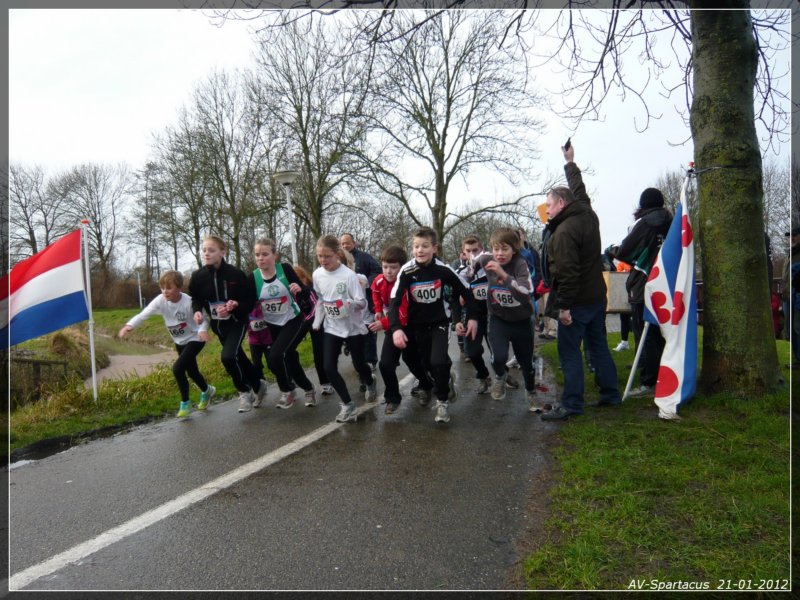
x=426 y=292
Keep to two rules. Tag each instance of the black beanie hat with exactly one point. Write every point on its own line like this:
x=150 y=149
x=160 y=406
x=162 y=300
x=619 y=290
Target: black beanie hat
x=651 y=198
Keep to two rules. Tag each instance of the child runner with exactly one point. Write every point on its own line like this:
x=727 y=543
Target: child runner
x=176 y=309
x=392 y=258
x=259 y=339
x=510 y=310
x=226 y=295
x=425 y=278
x=276 y=287
x=309 y=308
x=341 y=303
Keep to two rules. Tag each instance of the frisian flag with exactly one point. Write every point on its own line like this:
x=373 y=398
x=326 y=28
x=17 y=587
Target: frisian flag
x=671 y=304
x=43 y=293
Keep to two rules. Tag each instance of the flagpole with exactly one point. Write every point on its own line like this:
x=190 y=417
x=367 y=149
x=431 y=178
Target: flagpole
x=639 y=348
x=88 y=295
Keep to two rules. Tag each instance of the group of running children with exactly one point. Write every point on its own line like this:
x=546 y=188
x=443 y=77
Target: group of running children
x=415 y=302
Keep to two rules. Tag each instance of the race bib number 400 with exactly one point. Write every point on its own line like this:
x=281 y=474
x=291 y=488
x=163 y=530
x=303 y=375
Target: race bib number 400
x=426 y=292
x=335 y=309
x=480 y=291
x=503 y=297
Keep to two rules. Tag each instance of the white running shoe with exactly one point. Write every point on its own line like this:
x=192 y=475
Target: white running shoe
x=286 y=401
x=327 y=389
x=499 y=388
x=261 y=395
x=623 y=345
x=246 y=401
x=513 y=363
x=442 y=416
x=311 y=397
x=348 y=412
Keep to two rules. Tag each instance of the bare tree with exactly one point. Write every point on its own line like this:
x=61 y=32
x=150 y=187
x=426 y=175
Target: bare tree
x=777 y=206
x=97 y=193
x=312 y=79
x=447 y=100
x=36 y=218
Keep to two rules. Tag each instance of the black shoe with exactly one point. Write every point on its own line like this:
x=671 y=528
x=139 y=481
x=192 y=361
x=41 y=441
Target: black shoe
x=602 y=403
x=559 y=413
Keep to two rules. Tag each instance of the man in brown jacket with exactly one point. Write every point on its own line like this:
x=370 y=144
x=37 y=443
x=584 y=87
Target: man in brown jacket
x=574 y=270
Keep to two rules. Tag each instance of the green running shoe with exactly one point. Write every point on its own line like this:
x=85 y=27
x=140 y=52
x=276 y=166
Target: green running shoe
x=186 y=408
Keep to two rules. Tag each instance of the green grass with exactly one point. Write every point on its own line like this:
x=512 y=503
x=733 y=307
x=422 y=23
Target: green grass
x=67 y=409
x=635 y=497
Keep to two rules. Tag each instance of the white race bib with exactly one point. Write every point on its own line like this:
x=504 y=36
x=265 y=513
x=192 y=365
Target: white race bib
x=215 y=306
x=258 y=325
x=335 y=309
x=503 y=297
x=480 y=290
x=275 y=306
x=176 y=330
x=426 y=292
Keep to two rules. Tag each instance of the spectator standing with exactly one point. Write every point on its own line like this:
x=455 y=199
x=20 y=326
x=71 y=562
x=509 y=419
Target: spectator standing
x=572 y=267
x=640 y=249
x=367 y=265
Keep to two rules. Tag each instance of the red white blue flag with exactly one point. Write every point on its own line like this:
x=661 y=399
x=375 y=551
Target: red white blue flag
x=43 y=293
x=671 y=304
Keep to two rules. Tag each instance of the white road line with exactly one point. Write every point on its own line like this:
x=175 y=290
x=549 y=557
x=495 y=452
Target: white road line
x=19 y=580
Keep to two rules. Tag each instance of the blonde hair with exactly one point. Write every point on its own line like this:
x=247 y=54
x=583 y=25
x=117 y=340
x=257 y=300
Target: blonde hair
x=217 y=240
x=266 y=242
x=347 y=259
x=173 y=277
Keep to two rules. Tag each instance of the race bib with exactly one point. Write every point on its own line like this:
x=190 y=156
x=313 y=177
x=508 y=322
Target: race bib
x=503 y=297
x=480 y=290
x=258 y=325
x=215 y=306
x=426 y=292
x=177 y=329
x=275 y=306
x=335 y=309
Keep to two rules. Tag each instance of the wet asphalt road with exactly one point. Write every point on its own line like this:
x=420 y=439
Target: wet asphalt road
x=389 y=503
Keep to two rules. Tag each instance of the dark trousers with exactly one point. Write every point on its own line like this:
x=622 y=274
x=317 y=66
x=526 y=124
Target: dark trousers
x=432 y=344
x=283 y=359
x=318 y=347
x=244 y=375
x=624 y=326
x=519 y=334
x=258 y=356
x=371 y=347
x=650 y=359
x=588 y=325
x=390 y=359
x=186 y=364
x=332 y=347
x=474 y=348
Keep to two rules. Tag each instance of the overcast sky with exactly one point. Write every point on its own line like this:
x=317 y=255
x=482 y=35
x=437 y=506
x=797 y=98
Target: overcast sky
x=95 y=85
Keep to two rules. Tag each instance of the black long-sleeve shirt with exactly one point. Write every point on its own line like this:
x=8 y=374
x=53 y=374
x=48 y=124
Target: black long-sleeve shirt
x=428 y=300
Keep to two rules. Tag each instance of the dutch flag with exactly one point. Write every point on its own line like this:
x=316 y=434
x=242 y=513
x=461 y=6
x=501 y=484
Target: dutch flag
x=671 y=304
x=43 y=293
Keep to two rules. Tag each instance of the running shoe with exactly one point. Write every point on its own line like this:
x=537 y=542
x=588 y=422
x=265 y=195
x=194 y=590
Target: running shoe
x=327 y=389
x=513 y=363
x=452 y=393
x=311 y=398
x=511 y=382
x=205 y=397
x=372 y=392
x=484 y=385
x=261 y=395
x=442 y=416
x=499 y=388
x=347 y=412
x=246 y=401
x=185 y=409
x=286 y=401
x=623 y=345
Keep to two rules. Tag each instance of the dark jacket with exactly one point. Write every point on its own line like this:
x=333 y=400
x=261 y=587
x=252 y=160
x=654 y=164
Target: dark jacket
x=365 y=264
x=571 y=250
x=220 y=285
x=640 y=248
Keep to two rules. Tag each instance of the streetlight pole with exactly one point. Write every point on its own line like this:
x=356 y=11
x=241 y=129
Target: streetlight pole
x=286 y=178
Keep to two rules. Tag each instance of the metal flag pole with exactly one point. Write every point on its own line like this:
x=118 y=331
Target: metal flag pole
x=88 y=297
x=640 y=346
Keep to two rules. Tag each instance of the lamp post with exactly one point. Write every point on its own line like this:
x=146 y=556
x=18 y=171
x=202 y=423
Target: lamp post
x=287 y=178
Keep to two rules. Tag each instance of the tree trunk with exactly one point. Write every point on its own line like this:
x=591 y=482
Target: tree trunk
x=739 y=352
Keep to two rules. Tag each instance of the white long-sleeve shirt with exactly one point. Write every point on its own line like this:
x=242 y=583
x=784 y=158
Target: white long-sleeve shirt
x=341 y=302
x=178 y=317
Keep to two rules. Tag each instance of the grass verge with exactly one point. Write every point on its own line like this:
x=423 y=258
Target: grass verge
x=67 y=410
x=702 y=500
